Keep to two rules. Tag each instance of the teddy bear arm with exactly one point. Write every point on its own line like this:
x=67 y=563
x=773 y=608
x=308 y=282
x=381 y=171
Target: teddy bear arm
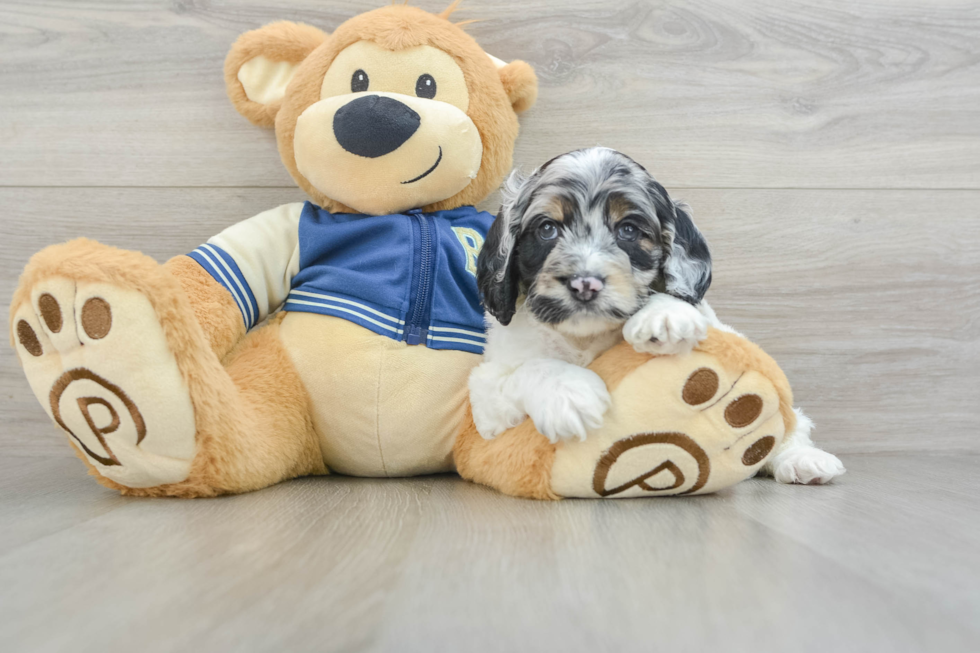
x=243 y=275
x=214 y=307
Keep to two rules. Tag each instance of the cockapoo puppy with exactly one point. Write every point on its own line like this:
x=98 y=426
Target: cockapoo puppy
x=586 y=251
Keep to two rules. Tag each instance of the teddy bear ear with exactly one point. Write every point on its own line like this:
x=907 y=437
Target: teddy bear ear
x=520 y=83
x=261 y=64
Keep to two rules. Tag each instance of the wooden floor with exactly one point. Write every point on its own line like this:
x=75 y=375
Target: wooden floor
x=883 y=560
x=831 y=152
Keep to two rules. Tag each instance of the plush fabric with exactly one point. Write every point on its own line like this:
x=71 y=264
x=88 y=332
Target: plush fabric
x=282 y=42
x=490 y=104
x=214 y=307
x=250 y=418
x=383 y=408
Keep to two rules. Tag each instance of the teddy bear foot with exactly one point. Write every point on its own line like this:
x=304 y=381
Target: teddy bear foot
x=709 y=427
x=98 y=360
x=677 y=425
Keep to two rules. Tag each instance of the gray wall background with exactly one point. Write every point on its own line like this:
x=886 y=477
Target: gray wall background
x=830 y=151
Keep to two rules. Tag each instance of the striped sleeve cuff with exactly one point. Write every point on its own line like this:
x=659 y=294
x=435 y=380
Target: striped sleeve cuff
x=444 y=337
x=220 y=265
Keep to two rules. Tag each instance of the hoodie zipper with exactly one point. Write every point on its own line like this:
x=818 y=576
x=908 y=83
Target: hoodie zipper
x=416 y=333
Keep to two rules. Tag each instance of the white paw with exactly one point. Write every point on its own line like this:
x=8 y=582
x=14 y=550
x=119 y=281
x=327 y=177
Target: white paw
x=493 y=417
x=490 y=424
x=806 y=466
x=493 y=412
x=666 y=325
x=567 y=405
x=99 y=363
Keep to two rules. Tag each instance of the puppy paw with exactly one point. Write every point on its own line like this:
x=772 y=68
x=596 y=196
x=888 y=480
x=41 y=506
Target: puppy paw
x=493 y=419
x=806 y=466
x=567 y=405
x=666 y=325
x=493 y=411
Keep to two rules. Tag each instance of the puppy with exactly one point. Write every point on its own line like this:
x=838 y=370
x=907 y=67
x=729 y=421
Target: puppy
x=586 y=251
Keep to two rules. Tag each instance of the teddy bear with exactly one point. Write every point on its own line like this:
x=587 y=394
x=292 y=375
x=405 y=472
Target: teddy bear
x=337 y=335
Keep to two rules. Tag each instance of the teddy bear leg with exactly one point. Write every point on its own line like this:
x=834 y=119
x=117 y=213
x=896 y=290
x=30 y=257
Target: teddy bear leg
x=112 y=349
x=517 y=462
x=687 y=424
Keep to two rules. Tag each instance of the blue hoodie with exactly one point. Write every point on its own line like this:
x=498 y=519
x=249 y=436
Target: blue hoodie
x=409 y=276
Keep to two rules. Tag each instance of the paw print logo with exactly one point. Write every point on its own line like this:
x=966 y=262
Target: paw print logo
x=670 y=474
x=107 y=395
x=99 y=362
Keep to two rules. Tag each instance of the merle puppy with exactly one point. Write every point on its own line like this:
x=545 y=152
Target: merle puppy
x=586 y=251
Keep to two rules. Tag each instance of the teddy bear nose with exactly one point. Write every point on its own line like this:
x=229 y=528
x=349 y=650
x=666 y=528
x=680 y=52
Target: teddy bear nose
x=373 y=125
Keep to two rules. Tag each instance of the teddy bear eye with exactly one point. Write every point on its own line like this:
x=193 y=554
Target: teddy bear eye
x=359 y=81
x=425 y=86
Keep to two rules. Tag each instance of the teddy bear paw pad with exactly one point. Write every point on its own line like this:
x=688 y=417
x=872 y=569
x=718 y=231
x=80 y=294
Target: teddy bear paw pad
x=98 y=361
x=678 y=425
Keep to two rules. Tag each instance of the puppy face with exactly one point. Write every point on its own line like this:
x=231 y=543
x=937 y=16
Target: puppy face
x=585 y=240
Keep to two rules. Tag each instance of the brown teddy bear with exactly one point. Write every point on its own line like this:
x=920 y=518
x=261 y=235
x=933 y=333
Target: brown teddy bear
x=338 y=335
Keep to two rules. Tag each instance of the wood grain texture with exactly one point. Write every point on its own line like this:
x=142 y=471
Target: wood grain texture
x=875 y=318
x=717 y=93
x=339 y=564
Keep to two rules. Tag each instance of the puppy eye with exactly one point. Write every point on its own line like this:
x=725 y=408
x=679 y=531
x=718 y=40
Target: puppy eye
x=425 y=86
x=627 y=231
x=359 y=81
x=548 y=230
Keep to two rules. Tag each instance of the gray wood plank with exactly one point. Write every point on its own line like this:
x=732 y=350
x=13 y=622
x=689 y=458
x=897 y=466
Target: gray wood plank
x=934 y=495
x=869 y=299
x=884 y=559
x=719 y=93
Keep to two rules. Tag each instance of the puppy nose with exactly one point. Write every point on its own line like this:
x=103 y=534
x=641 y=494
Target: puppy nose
x=373 y=125
x=585 y=288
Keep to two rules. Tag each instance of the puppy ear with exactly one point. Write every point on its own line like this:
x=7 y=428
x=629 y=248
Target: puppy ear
x=520 y=84
x=687 y=262
x=497 y=276
x=261 y=64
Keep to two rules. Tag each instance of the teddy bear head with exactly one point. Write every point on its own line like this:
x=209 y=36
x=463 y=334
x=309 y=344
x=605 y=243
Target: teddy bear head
x=397 y=109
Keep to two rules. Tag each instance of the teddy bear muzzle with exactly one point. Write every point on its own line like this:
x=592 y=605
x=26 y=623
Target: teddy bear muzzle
x=382 y=153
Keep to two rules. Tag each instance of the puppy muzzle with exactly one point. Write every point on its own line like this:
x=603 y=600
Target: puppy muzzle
x=585 y=288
